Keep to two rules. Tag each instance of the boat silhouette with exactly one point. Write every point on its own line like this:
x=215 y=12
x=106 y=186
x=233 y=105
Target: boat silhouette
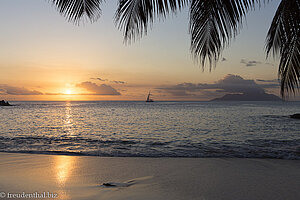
x=148 y=97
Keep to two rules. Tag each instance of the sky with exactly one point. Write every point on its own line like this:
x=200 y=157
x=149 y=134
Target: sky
x=45 y=57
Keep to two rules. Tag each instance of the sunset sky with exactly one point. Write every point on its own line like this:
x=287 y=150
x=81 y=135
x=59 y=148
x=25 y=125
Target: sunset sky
x=44 y=57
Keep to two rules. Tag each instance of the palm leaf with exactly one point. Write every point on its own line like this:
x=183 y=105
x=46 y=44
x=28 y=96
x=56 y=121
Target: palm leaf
x=283 y=40
x=213 y=23
x=134 y=16
x=76 y=10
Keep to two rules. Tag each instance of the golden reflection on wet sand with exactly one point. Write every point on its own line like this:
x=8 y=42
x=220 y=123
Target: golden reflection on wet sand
x=63 y=168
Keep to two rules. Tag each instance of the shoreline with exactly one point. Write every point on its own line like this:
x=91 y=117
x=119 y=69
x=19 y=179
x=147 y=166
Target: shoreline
x=62 y=153
x=82 y=177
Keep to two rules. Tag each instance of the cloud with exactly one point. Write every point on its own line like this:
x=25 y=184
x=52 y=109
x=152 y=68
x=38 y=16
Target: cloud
x=250 y=63
x=102 y=89
x=236 y=84
x=49 y=93
x=268 y=81
x=12 y=90
x=274 y=83
x=229 y=84
x=99 y=79
x=271 y=64
x=118 y=82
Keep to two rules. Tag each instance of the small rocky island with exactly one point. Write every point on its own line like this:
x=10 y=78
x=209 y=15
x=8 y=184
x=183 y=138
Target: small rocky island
x=4 y=103
x=295 y=116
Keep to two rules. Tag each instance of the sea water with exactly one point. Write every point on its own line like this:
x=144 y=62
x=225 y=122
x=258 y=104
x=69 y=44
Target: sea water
x=157 y=129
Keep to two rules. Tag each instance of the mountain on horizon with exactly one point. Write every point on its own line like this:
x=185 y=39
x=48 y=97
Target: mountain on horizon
x=248 y=97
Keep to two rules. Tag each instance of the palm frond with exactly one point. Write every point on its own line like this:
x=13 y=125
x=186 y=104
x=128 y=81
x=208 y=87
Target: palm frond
x=283 y=40
x=76 y=10
x=134 y=16
x=213 y=23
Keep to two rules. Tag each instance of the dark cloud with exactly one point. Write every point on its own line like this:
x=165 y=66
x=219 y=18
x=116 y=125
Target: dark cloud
x=118 y=82
x=102 y=89
x=229 y=84
x=271 y=64
x=99 y=79
x=236 y=84
x=250 y=63
x=54 y=94
x=270 y=86
x=274 y=83
x=268 y=81
x=12 y=90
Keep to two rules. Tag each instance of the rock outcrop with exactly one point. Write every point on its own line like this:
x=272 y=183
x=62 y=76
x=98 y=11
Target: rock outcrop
x=295 y=116
x=4 y=103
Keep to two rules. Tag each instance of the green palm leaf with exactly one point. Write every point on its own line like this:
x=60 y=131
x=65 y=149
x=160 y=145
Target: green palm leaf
x=283 y=40
x=76 y=10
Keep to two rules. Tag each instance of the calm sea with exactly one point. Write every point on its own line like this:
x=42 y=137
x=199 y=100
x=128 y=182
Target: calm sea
x=158 y=129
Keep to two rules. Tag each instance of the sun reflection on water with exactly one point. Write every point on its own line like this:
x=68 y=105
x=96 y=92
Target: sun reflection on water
x=68 y=122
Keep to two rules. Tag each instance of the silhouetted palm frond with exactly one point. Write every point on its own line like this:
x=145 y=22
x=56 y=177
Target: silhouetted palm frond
x=284 y=40
x=134 y=16
x=76 y=10
x=213 y=23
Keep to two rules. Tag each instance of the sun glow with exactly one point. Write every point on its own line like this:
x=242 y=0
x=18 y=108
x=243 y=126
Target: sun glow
x=68 y=91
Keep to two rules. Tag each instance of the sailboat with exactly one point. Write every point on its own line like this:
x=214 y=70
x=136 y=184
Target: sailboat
x=148 y=98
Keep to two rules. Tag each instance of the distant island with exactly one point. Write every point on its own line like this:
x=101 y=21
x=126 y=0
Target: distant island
x=3 y=103
x=248 y=97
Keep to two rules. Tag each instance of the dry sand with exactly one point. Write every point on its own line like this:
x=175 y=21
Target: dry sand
x=80 y=177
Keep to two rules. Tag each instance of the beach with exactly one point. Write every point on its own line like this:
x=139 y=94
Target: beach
x=82 y=177
x=92 y=110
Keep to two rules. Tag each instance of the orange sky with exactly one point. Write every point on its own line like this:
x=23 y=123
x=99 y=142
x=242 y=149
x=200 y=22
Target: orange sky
x=44 y=57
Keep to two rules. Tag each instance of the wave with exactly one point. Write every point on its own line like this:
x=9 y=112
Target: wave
x=258 y=148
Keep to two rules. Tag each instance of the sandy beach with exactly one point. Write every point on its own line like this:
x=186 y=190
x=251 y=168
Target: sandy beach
x=94 y=106
x=82 y=177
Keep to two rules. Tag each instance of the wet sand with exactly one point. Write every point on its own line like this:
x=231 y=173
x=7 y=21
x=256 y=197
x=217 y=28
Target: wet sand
x=82 y=177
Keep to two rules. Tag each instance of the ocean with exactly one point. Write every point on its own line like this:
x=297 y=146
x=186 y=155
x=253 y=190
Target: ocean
x=157 y=129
